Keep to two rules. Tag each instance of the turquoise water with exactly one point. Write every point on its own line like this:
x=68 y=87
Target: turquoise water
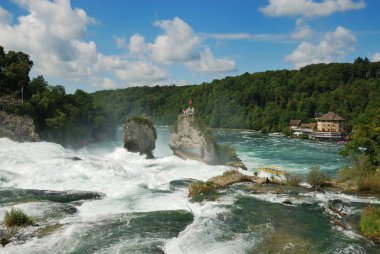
x=113 y=201
x=293 y=155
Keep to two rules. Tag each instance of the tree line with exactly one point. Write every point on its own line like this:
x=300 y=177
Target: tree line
x=59 y=117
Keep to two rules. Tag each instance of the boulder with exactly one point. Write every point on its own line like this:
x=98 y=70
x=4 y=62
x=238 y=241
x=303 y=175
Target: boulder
x=18 y=128
x=191 y=139
x=140 y=135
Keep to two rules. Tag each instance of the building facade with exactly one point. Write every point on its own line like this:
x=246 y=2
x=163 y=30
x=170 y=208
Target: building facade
x=331 y=122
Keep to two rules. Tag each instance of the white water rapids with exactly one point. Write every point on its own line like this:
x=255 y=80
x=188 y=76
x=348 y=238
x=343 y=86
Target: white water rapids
x=132 y=184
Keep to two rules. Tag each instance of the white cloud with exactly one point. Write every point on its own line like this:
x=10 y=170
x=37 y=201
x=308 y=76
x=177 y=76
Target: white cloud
x=375 y=57
x=137 y=44
x=209 y=64
x=302 y=31
x=103 y=83
x=247 y=36
x=333 y=47
x=179 y=45
x=310 y=8
x=4 y=16
x=52 y=34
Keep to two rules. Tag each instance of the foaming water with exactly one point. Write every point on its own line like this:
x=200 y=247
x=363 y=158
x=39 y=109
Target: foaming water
x=104 y=199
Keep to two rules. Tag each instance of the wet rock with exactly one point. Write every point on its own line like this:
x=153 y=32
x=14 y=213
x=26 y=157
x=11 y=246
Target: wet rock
x=140 y=135
x=236 y=164
x=19 y=128
x=190 y=138
x=217 y=182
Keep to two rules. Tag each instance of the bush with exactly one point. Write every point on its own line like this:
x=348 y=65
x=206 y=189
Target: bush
x=303 y=136
x=17 y=218
x=316 y=177
x=371 y=182
x=366 y=180
x=293 y=180
x=370 y=222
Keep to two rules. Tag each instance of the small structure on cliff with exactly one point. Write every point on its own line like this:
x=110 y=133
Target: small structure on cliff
x=18 y=128
x=191 y=139
x=140 y=135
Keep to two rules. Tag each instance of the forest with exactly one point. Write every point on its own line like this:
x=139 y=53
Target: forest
x=261 y=101
x=69 y=119
x=264 y=101
x=267 y=101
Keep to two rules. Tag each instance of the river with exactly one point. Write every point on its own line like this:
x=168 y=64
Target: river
x=104 y=199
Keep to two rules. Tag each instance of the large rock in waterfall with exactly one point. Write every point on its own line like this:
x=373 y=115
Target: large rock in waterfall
x=191 y=139
x=140 y=135
x=18 y=128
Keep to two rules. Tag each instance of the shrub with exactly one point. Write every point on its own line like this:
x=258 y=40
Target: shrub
x=366 y=180
x=303 y=136
x=370 y=222
x=316 y=177
x=17 y=218
x=370 y=182
x=293 y=180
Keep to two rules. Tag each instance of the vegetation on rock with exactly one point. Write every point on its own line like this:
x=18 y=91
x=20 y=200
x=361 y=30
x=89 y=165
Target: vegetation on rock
x=17 y=218
x=316 y=177
x=229 y=177
x=144 y=121
x=361 y=175
x=14 y=220
x=370 y=222
x=293 y=180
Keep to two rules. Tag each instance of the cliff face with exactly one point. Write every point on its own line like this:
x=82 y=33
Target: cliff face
x=140 y=136
x=19 y=128
x=190 y=139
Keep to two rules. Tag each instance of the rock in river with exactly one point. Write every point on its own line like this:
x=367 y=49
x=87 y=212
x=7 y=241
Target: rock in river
x=140 y=135
x=191 y=139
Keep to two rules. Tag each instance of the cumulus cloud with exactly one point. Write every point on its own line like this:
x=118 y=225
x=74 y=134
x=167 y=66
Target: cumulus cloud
x=302 y=31
x=310 y=8
x=334 y=46
x=137 y=44
x=179 y=45
x=4 y=16
x=209 y=64
x=52 y=34
x=375 y=57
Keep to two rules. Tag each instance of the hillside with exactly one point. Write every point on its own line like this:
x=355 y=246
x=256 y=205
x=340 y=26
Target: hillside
x=263 y=101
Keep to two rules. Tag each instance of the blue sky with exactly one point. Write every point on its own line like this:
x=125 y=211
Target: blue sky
x=98 y=44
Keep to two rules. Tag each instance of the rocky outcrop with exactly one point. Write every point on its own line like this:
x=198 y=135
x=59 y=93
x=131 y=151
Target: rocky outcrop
x=140 y=135
x=18 y=128
x=217 y=182
x=191 y=139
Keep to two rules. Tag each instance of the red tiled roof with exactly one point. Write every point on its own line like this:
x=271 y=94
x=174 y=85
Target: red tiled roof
x=294 y=122
x=308 y=125
x=330 y=116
